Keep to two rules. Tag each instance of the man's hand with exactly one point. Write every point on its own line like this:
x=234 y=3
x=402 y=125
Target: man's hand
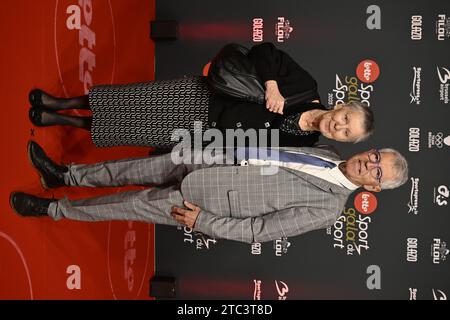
x=274 y=99
x=186 y=216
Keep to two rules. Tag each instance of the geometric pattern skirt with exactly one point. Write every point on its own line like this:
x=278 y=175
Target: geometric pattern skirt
x=145 y=114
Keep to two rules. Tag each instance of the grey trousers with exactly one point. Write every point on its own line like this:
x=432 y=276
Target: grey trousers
x=149 y=205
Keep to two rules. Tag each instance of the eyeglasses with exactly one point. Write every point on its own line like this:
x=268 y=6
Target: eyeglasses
x=376 y=172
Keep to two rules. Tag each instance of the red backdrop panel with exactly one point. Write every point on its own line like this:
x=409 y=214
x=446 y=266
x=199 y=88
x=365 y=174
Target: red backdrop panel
x=64 y=47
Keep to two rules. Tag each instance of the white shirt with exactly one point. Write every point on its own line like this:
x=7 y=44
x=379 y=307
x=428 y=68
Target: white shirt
x=333 y=175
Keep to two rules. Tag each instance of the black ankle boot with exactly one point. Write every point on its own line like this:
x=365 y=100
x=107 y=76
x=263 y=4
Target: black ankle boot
x=35 y=98
x=27 y=205
x=52 y=175
x=35 y=115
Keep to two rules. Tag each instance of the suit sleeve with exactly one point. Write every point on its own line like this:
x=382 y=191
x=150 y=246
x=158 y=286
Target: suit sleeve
x=284 y=223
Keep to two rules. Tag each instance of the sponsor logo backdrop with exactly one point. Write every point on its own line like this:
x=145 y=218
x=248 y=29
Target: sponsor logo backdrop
x=393 y=56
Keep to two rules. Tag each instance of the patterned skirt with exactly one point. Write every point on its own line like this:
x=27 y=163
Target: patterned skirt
x=146 y=114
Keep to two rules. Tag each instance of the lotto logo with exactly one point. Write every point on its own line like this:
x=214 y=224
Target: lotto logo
x=368 y=71
x=365 y=202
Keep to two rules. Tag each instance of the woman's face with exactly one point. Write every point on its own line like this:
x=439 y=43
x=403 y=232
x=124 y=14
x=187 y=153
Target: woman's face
x=342 y=124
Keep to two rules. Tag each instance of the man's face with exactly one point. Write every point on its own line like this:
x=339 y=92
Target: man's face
x=363 y=169
x=342 y=124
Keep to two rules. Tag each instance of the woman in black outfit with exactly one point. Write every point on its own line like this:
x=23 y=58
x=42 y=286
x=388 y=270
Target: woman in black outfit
x=145 y=114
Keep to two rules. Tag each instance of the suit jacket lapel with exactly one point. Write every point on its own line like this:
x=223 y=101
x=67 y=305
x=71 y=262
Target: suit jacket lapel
x=320 y=183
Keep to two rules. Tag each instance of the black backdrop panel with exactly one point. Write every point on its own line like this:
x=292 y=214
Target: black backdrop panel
x=399 y=250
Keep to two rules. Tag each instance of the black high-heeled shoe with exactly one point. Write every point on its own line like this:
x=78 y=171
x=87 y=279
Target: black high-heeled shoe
x=35 y=98
x=35 y=115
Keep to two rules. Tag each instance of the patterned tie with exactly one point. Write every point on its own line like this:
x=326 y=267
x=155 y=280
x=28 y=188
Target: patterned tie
x=282 y=156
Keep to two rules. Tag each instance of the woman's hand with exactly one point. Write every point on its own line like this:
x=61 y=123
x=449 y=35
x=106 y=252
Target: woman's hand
x=274 y=99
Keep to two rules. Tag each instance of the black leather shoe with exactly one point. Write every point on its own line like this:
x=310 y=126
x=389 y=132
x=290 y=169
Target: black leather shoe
x=35 y=98
x=26 y=205
x=52 y=175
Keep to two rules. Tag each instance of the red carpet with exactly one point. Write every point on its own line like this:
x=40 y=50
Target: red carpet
x=43 y=47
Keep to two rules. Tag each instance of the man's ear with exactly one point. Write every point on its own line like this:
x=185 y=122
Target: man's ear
x=372 y=188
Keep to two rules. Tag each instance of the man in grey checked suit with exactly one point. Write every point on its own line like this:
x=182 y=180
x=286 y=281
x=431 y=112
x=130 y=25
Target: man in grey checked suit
x=234 y=202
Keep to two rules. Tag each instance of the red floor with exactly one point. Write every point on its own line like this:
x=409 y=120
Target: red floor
x=42 y=47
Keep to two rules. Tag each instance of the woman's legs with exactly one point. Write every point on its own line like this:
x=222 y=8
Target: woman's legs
x=44 y=118
x=81 y=102
x=43 y=113
x=39 y=98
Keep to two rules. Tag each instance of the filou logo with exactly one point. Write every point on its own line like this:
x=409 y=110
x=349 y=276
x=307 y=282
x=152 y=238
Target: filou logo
x=414 y=139
x=281 y=246
x=442 y=27
x=416 y=27
x=283 y=29
x=439 y=251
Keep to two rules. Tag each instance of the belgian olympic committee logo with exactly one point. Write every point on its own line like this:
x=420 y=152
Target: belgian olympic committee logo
x=438 y=140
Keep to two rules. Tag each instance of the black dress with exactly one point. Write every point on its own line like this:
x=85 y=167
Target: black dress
x=271 y=64
x=146 y=114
